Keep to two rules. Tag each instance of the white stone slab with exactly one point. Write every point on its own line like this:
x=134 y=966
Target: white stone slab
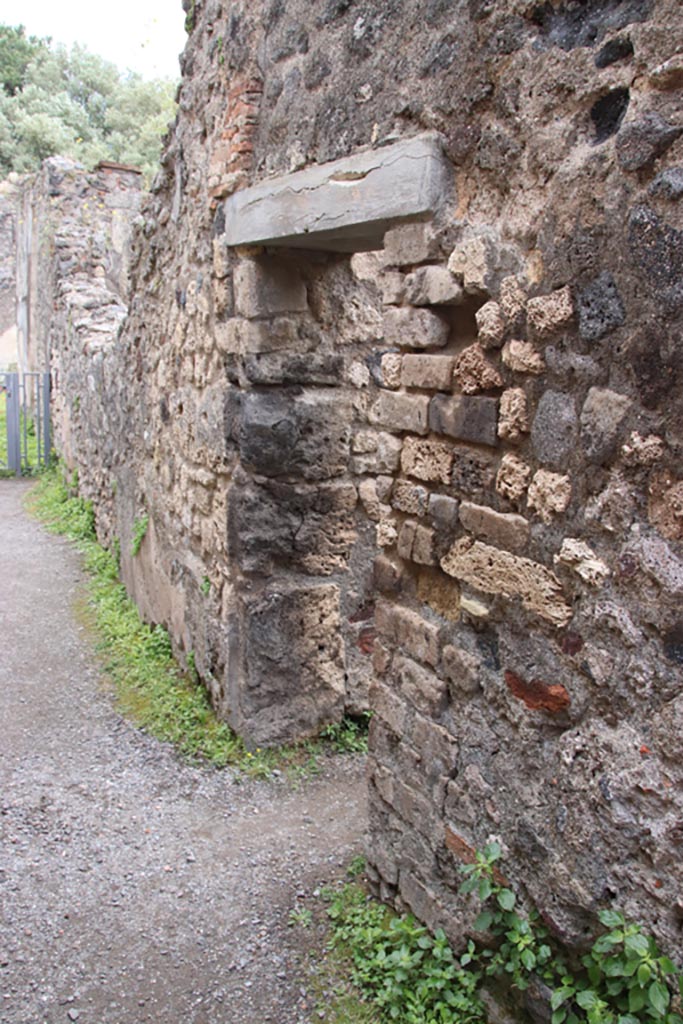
x=345 y=205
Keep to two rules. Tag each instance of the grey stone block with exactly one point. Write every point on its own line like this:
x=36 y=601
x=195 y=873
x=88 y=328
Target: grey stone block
x=346 y=205
x=267 y=287
x=414 y=328
x=642 y=141
x=399 y=412
x=465 y=418
x=433 y=286
x=668 y=184
x=555 y=429
x=601 y=418
x=304 y=435
x=600 y=308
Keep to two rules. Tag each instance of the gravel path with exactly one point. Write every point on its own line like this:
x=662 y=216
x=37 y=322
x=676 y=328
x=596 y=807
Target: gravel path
x=135 y=887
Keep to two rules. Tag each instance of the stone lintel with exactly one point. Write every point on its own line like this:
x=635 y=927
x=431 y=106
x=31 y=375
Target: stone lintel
x=346 y=205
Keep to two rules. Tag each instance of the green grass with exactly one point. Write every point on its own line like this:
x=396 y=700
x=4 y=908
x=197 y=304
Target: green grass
x=151 y=688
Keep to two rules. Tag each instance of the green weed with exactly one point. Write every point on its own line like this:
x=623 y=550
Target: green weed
x=140 y=527
x=392 y=963
x=350 y=736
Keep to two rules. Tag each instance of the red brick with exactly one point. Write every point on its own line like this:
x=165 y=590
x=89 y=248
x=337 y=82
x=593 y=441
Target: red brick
x=537 y=695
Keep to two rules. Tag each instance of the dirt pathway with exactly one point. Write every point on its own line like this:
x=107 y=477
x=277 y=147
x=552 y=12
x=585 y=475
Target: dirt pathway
x=134 y=887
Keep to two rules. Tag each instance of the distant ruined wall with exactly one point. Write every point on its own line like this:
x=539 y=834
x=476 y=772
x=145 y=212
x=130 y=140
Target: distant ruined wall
x=467 y=446
x=73 y=251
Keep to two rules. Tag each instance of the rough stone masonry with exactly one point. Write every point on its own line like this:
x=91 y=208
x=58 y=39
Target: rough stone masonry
x=439 y=470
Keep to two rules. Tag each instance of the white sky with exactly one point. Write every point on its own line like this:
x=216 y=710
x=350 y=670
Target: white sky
x=138 y=35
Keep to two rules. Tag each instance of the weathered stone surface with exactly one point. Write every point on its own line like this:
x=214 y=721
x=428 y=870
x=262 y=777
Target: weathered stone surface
x=465 y=418
x=643 y=451
x=657 y=249
x=439 y=592
x=522 y=357
x=409 y=497
x=386 y=575
x=461 y=669
x=433 y=286
x=258 y=336
x=665 y=505
x=640 y=142
x=601 y=417
x=367 y=492
x=294 y=368
x=668 y=75
x=513 y=477
x=343 y=206
x=668 y=184
x=490 y=325
x=267 y=287
x=427 y=460
x=443 y=511
x=414 y=328
x=281 y=436
x=433 y=373
x=499 y=572
x=549 y=314
x=471 y=262
x=423 y=546
x=549 y=494
x=473 y=473
x=473 y=372
x=512 y=299
x=391 y=369
x=613 y=509
x=410 y=243
x=420 y=687
x=301 y=527
x=513 y=419
x=503 y=529
x=583 y=561
x=393 y=288
x=407 y=629
x=555 y=429
x=292 y=647
x=600 y=308
x=399 y=412
x=406 y=538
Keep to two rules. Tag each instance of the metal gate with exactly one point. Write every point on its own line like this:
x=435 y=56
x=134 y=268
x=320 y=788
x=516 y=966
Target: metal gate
x=25 y=432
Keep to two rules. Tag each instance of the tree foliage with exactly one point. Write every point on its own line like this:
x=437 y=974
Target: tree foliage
x=73 y=103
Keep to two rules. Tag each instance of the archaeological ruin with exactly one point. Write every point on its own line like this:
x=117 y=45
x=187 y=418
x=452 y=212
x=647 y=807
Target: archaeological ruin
x=391 y=355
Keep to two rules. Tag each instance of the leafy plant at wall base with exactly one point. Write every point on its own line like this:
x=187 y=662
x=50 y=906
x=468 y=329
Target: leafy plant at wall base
x=205 y=586
x=140 y=527
x=409 y=975
x=350 y=736
x=624 y=979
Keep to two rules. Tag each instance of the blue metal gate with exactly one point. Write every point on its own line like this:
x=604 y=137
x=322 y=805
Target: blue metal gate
x=25 y=441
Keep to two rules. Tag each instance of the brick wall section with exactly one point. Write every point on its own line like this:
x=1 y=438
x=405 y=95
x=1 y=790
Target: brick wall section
x=232 y=154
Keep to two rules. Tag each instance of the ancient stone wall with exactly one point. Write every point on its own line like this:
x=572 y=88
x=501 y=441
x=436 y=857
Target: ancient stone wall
x=468 y=443
x=73 y=251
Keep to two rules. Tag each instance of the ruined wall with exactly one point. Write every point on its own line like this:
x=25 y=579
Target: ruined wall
x=72 y=256
x=491 y=407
